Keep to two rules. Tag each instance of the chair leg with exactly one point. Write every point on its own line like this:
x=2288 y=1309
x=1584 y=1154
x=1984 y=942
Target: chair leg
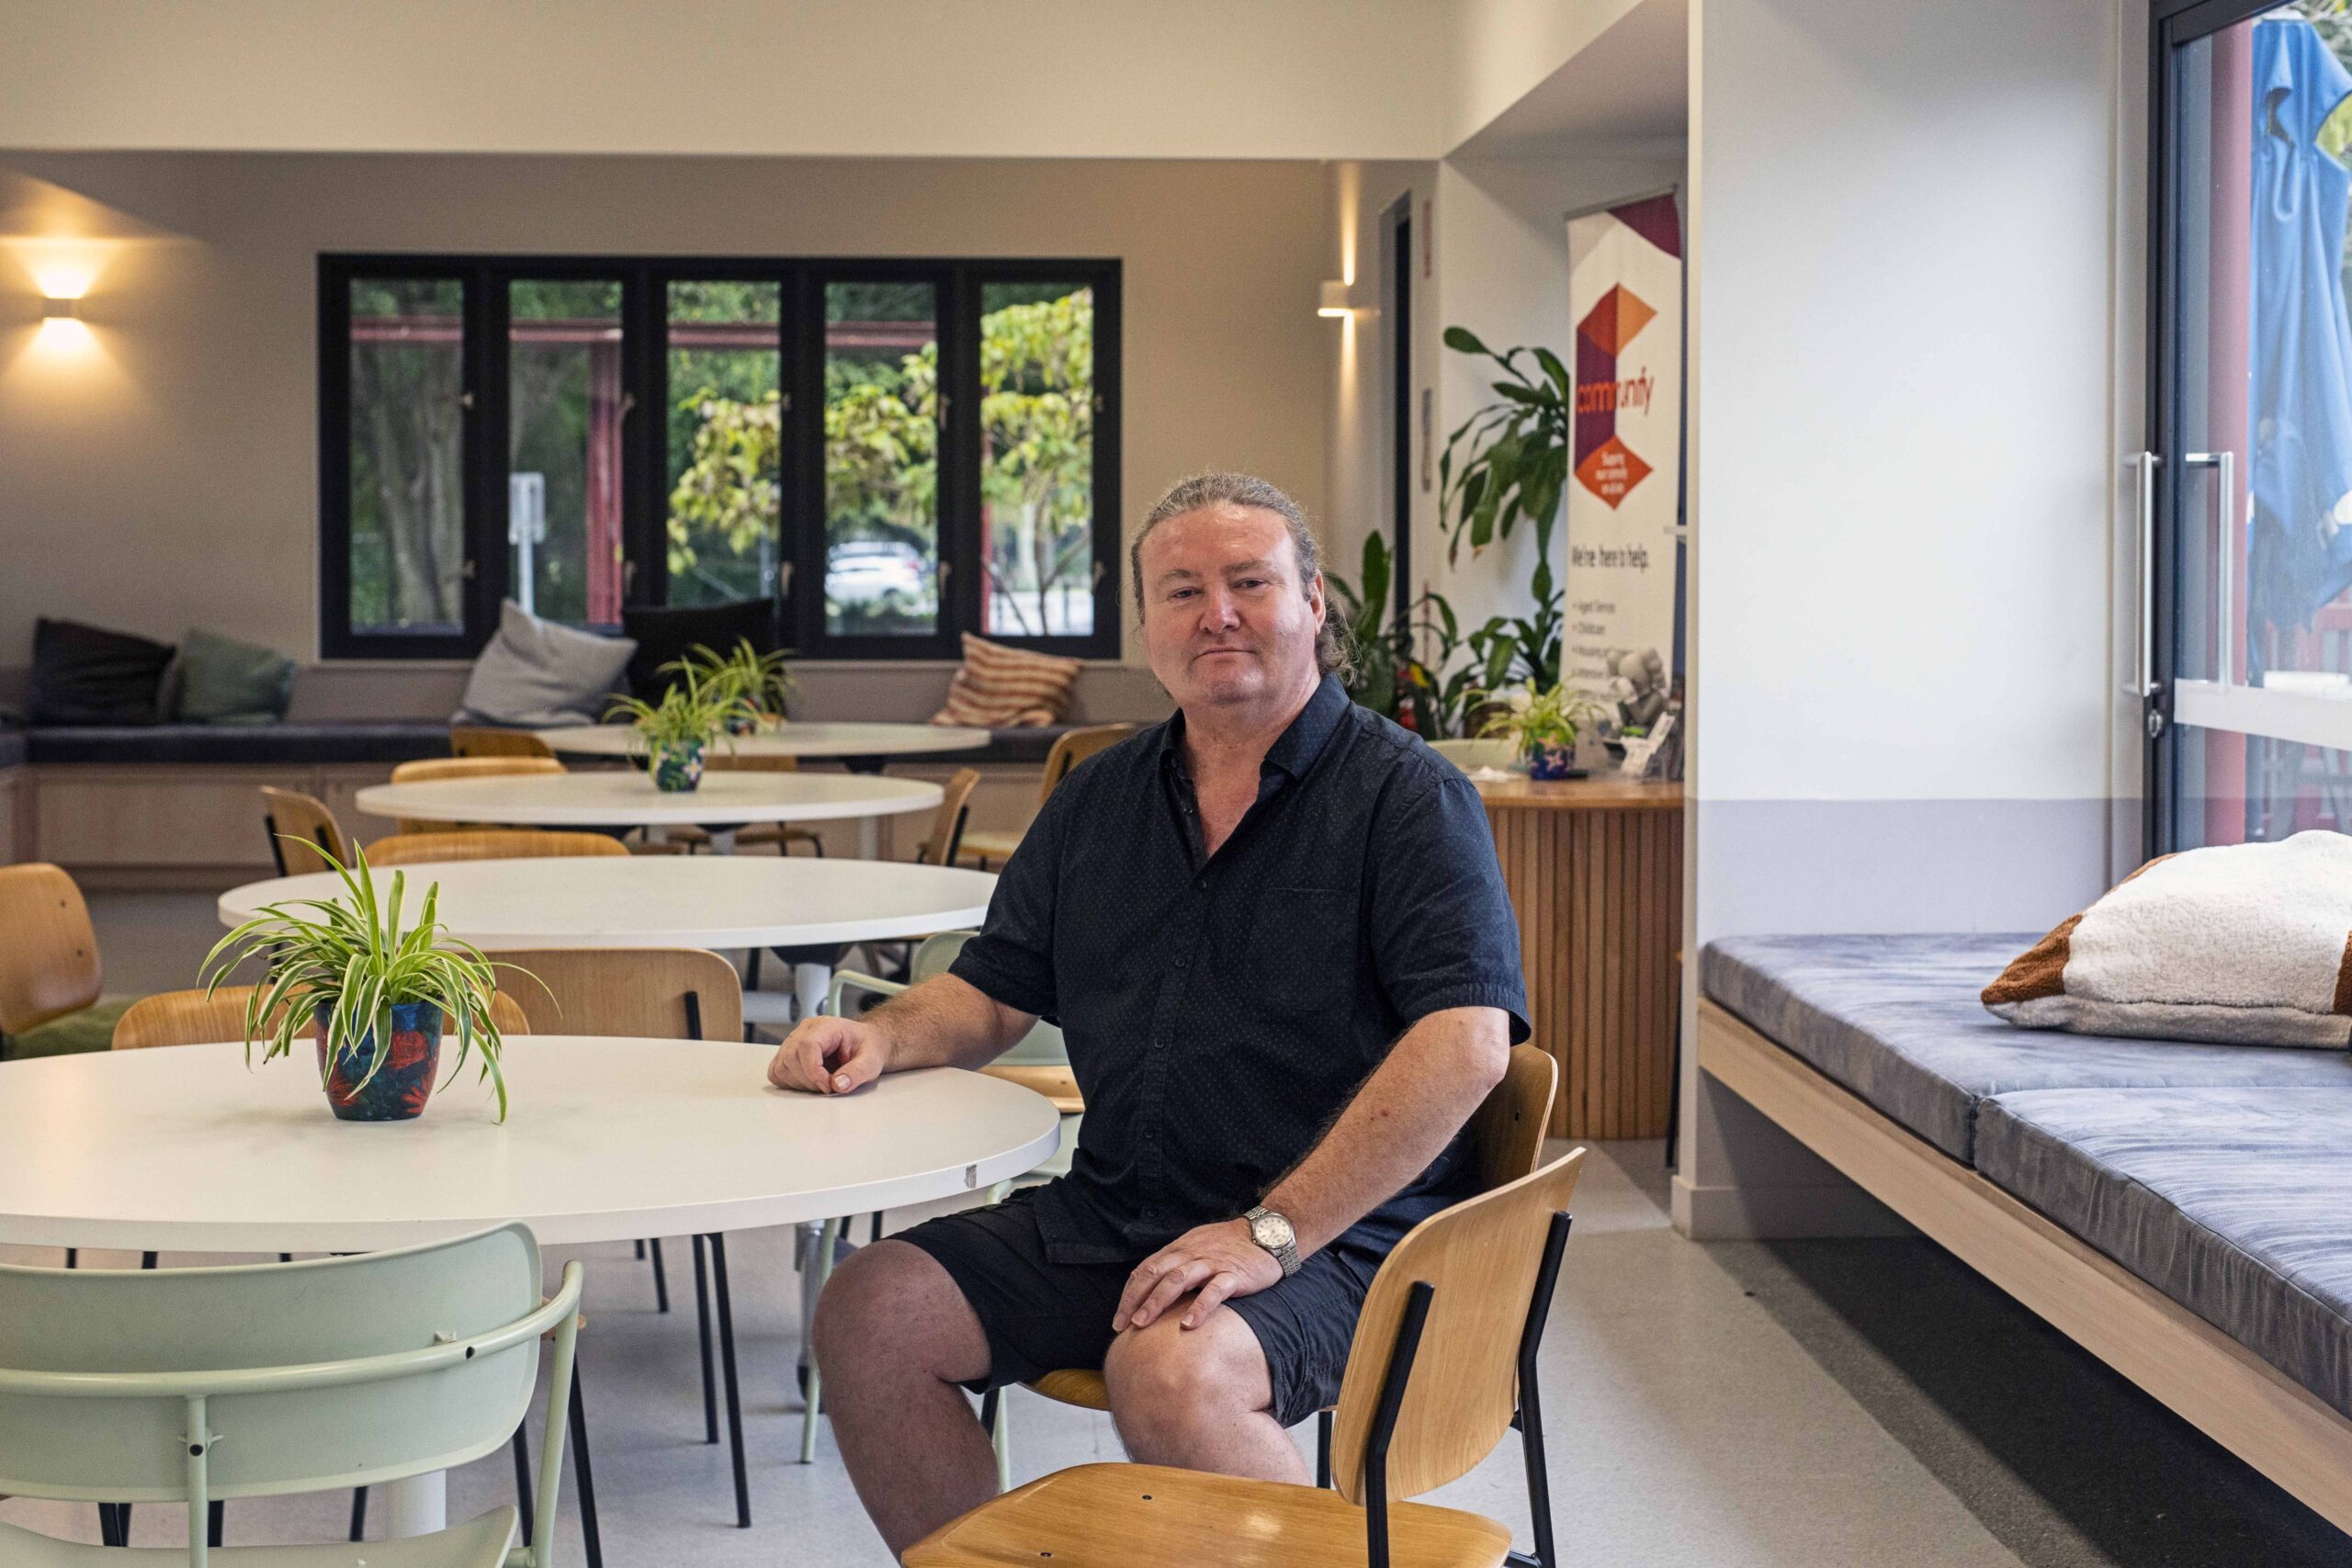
x=827 y=1240
x=999 y=1422
x=359 y=1513
x=592 y=1543
x=1323 y=1449
x=216 y=1519
x=146 y=1260
x=73 y=1257
x=1539 y=1480
x=661 y=1278
x=114 y=1524
x=641 y=1252
x=726 y=1364
x=702 y=1331
x=523 y=1483
x=874 y=1230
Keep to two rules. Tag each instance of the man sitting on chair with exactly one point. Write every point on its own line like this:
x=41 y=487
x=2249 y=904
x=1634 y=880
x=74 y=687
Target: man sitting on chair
x=1274 y=933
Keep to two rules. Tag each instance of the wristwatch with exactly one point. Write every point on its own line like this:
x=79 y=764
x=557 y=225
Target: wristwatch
x=1272 y=1232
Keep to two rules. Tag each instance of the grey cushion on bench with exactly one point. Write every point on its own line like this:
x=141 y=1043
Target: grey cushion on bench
x=2233 y=1201
x=1896 y=1019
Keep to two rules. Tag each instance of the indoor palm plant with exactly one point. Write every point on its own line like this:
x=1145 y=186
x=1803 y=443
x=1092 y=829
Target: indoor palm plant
x=380 y=996
x=675 y=731
x=1545 y=725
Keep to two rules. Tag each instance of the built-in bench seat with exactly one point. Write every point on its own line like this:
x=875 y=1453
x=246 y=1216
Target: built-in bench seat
x=302 y=744
x=1896 y=1019
x=2180 y=1210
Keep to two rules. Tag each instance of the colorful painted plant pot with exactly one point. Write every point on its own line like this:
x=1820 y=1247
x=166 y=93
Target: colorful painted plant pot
x=1546 y=760
x=402 y=1085
x=742 y=721
x=677 y=768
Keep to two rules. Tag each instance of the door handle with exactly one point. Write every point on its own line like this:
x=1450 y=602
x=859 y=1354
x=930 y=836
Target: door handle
x=2226 y=468
x=2144 y=466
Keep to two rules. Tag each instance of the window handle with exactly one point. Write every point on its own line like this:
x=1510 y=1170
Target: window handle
x=465 y=399
x=783 y=578
x=2225 y=467
x=2144 y=466
x=467 y=570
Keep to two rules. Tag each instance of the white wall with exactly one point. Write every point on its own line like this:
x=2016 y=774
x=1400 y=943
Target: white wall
x=1904 y=296
x=909 y=78
x=164 y=476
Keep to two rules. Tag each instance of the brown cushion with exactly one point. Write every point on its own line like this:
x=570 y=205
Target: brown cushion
x=2245 y=944
x=1004 y=688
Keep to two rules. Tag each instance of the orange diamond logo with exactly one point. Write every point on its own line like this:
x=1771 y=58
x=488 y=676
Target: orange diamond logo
x=1612 y=323
x=1611 y=470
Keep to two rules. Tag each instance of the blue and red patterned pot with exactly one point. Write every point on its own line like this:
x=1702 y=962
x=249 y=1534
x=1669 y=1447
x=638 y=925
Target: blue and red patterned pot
x=677 y=768
x=402 y=1084
x=1546 y=760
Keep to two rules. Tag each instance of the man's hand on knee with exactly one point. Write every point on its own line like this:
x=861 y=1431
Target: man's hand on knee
x=1219 y=1261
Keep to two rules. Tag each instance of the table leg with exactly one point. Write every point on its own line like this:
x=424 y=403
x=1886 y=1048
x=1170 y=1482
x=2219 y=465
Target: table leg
x=809 y=983
x=722 y=841
x=869 y=838
x=416 y=1505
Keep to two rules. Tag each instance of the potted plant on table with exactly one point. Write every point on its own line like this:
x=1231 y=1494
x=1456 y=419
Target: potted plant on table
x=677 y=731
x=763 y=681
x=1545 y=725
x=380 y=997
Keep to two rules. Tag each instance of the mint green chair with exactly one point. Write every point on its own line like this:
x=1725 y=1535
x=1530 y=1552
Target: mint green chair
x=195 y=1384
x=1036 y=1060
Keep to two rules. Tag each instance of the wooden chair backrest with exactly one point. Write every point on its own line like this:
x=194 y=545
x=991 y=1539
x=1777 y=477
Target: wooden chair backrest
x=720 y=759
x=190 y=1018
x=297 y=823
x=473 y=740
x=490 y=843
x=1481 y=1257
x=947 y=824
x=48 y=963
x=430 y=767
x=1507 y=1131
x=624 y=991
x=1073 y=747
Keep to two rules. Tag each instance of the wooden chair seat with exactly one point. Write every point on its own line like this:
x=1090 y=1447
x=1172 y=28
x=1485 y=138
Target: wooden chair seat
x=985 y=849
x=1082 y=1386
x=1140 y=1515
x=777 y=833
x=1057 y=1083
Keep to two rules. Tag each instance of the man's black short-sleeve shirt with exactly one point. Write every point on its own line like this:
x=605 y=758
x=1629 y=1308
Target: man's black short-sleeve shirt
x=1221 y=1012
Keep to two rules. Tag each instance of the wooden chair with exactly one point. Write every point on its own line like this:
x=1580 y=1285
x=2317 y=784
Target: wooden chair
x=430 y=767
x=946 y=839
x=1444 y=1358
x=1507 y=1135
x=665 y=993
x=292 y=815
x=1073 y=747
x=190 y=1018
x=490 y=843
x=49 y=965
x=478 y=740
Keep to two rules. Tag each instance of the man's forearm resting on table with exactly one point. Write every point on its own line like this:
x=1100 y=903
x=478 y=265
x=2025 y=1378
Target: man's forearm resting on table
x=1434 y=1078
x=947 y=1022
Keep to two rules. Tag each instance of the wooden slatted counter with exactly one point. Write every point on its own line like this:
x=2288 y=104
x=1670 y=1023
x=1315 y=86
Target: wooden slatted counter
x=1595 y=872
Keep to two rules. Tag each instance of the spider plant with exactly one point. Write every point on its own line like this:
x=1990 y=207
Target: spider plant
x=349 y=962
x=1550 y=716
x=762 y=680
x=691 y=713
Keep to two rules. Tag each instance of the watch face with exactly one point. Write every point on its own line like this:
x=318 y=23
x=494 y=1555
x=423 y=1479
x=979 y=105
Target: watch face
x=1270 y=1231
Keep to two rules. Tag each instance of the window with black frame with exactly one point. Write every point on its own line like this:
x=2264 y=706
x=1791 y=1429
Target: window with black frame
x=893 y=452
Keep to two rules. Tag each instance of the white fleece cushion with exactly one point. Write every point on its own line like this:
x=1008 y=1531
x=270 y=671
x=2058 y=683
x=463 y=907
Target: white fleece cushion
x=2236 y=944
x=535 y=674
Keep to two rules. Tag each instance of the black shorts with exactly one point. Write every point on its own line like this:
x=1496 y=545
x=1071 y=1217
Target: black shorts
x=1042 y=1316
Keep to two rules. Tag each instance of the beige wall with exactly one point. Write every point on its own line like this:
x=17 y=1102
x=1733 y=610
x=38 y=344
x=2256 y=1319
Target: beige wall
x=162 y=473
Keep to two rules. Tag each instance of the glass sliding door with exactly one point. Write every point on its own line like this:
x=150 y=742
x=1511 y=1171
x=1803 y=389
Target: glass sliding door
x=882 y=430
x=724 y=440
x=2248 y=495
x=565 y=407
x=404 y=468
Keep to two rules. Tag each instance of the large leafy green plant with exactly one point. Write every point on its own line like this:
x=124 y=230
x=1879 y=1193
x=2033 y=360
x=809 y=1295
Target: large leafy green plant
x=1506 y=463
x=352 y=958
x=1402 y=665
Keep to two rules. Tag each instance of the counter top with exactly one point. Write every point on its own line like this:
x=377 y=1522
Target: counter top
x=1607 y=793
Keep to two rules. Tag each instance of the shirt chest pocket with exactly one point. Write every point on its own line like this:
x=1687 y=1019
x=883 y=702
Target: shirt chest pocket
x=1302 y=957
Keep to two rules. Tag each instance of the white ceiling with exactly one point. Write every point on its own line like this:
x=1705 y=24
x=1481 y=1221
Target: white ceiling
x=1627 y=91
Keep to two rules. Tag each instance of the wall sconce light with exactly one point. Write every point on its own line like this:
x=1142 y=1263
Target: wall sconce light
x=55 y=308
x=1335 y=299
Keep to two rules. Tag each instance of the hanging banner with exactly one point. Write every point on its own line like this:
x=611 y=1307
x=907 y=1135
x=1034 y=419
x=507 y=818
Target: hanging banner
x=1625 y=493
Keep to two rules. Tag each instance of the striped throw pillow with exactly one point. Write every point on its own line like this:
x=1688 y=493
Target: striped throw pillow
x=1006 y=688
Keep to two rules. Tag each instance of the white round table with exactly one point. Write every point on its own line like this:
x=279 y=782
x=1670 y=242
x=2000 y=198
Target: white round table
x=183 y=1150
x=793 y=738
x=727 y=799
x=749 y=901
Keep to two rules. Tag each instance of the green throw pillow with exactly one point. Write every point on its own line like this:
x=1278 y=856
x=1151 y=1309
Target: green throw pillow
x=225 y=682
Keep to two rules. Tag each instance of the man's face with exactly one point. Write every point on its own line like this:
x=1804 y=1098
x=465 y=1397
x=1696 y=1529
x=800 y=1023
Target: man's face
x=1226 y=620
